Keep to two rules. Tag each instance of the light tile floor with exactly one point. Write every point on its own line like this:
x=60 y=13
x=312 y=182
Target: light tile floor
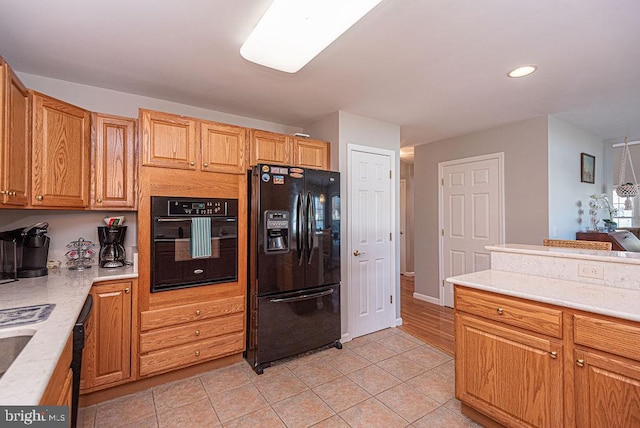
x=385 y=379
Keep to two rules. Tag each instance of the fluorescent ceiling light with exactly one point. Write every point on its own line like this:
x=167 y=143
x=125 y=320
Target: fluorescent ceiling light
x=292 y=32
x=523 y=71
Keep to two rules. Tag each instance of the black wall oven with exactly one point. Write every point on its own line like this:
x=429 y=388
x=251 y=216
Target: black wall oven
x=180 y=255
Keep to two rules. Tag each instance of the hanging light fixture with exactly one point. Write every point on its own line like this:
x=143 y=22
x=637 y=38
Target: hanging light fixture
x=626 y=190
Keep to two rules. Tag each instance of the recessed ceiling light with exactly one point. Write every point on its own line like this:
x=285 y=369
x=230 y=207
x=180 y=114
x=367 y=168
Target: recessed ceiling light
x=292 y=32
x=523 y=71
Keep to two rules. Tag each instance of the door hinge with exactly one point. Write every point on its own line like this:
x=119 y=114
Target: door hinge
x=443 y=282
x=391 y=299
x=442 y=181
x=389 y=174
x=442 y=232
x=390 y=236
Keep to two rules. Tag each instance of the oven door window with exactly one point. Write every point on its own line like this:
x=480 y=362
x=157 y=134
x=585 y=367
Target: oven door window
x=173 y=266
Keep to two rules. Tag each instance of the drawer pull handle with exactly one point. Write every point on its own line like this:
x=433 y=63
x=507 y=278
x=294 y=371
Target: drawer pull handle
x=197 y=353
x=197 y=311
x=205 y=165
x=500 y=311
x=580 y=362
x=127 y=290
x=192 y=163
x=99 y=200
x=39 y=197
x=553 y=354
x=197 y=332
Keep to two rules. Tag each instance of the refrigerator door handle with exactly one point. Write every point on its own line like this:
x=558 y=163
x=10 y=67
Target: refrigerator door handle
x=311 y=218
x=303 y=297
x=299 y=222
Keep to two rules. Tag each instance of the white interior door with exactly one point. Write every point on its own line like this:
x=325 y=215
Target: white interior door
x=403 y=226
x=471 y=216
x=371 y=252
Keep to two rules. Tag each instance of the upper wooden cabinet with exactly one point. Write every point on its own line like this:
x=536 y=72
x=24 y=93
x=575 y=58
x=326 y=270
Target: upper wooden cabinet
x=113 y=162
x=14 y=139
x=168 y=140
x=222 y=148
x=61 y=153
x=269 y=147
x=308 y=153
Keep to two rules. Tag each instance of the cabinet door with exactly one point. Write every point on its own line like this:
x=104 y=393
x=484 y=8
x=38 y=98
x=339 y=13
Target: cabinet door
x=168 y=140
x=14 y=183
x=511 y=376
x=114 y=163
x=311 y=153
x=61 y=154
x=607 y=390
x=269 y=147
x=107 y=355
x=222 y=148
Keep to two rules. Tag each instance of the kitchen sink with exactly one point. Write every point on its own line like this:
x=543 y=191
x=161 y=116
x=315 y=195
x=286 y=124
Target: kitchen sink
x=11 y=346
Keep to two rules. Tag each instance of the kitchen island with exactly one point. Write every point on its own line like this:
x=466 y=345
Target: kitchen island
x=550 y=337
x=27 y=378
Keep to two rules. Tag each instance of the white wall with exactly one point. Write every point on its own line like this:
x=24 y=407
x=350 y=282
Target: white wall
x=568 y=196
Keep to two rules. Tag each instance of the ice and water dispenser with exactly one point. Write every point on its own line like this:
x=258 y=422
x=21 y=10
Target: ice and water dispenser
x=276 y=239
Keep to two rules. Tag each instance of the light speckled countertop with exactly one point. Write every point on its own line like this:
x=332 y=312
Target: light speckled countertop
x=616 y=302
x=26 y=379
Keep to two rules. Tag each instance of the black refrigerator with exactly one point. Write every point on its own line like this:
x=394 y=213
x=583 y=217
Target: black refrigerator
x=294 y=263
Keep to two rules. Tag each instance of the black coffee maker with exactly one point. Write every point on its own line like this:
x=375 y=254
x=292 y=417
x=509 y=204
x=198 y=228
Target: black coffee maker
x=31 y=249
x=112 y=253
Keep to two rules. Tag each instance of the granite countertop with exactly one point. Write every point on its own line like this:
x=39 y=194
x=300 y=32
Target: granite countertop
x=617 y=302
x=26 y=379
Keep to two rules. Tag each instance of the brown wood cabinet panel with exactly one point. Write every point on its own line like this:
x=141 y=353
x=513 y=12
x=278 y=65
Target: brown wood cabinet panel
x=14 y=140
x=612 y=336
x=513 y=377
x=191 y=353
x=518 y=313
x=223 y=148
x=168 y=140
x=169 y=317
x=61 y=154
x=114 y=162
x=308 y=153
x=107 y=355
x=55 y=393
x=269 y=147
x=185 y=333
x=607 y=391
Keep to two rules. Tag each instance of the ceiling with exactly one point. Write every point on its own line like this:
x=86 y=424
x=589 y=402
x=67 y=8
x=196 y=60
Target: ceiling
x=437 y=68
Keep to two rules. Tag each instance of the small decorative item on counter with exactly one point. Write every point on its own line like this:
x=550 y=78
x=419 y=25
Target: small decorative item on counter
x=114 y=221
x=81 y=256
x=598 y=202
x=53 y=264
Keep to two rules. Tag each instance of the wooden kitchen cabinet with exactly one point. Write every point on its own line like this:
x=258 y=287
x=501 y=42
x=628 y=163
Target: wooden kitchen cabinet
x=269 y=147
x=223 y=148
x=15 y=142
x=308 y=153
x=61 y=147
x=58 y=391
x=168 y=140
x=113 y=162
x=106 y=359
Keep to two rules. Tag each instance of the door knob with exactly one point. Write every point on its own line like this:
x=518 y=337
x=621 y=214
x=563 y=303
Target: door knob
x=357 y=253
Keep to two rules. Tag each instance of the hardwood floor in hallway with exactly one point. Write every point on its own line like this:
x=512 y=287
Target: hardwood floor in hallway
x=431 y=323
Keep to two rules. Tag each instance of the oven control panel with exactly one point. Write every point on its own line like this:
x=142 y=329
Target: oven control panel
x=194 y=207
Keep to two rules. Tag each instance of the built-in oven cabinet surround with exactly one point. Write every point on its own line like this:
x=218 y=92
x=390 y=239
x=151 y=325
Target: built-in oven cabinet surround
x=173 y=261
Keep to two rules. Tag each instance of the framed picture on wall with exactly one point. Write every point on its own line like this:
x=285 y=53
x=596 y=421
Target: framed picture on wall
x=587 y=168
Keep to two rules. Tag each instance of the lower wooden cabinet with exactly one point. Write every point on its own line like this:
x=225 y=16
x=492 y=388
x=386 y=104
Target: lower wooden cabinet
x=58 y=391
x=106 y=359
x=511 y=376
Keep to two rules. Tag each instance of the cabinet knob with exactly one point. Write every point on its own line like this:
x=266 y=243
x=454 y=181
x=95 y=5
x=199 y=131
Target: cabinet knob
x=3 y=192
x=39 y=197
x=99 y=200
x=127 y=290
x=205 y=165
x=13 y=193
x=197 y=311
x=197 y=332
x=580 y=362
x=192 y=163
x=500 y=311
x=553 y=354
x=197 y=353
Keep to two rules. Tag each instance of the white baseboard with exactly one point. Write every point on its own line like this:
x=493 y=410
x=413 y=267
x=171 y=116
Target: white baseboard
x=345 y=338
x=398 y=322
x=435 y=301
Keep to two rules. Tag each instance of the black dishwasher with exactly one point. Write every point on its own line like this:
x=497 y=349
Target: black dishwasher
x=76 y=360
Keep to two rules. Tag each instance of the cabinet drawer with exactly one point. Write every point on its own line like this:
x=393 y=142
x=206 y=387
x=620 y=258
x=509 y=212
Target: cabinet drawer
x=191 y=332
x=190 y=354
x=169 y=317
x=618 y=338
x=529 y=316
